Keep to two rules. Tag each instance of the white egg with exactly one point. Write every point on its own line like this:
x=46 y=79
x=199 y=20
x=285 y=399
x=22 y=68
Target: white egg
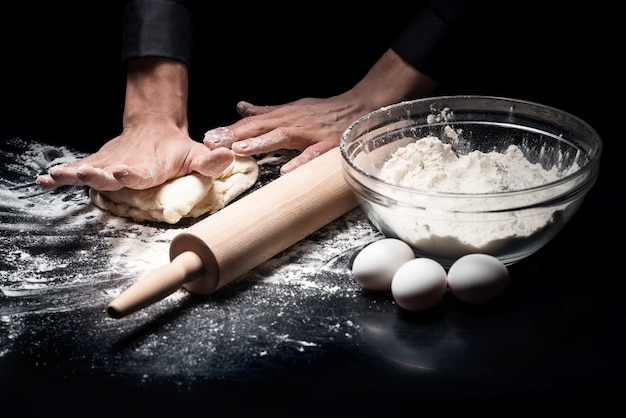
x=419 y=284
x=374 y=266
x=478 y=278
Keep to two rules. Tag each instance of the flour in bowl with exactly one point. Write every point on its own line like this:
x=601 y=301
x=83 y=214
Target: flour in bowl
x=430 y=164
x=449 y=227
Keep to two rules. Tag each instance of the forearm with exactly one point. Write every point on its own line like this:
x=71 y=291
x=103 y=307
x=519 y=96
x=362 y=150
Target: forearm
x=390 y=80
x=157 y=53
x=156 y=88
x=418 y=59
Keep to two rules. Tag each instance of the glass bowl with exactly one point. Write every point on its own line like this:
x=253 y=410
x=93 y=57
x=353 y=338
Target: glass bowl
x=510 y=221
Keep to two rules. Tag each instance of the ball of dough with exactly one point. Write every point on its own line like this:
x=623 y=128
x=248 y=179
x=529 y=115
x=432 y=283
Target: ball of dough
x=188 y=196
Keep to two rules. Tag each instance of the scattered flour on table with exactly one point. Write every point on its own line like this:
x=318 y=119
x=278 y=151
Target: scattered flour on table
x=61 y=254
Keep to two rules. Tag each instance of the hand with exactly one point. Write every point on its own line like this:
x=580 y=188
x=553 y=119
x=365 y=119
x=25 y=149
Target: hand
x=140 y=158
x=155 y=145
x=315 y=126
x=311 y=125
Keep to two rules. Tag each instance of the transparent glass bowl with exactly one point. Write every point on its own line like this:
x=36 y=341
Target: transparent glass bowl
x=444 y=226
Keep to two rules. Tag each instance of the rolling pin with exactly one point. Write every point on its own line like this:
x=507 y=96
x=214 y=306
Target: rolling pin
x=222 y=247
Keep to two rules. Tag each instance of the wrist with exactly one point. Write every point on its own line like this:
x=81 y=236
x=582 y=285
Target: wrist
x=392 y=80
x=156 y=87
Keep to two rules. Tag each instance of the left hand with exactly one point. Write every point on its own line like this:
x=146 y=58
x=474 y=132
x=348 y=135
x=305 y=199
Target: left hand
x=314 y=126
x=310 y=125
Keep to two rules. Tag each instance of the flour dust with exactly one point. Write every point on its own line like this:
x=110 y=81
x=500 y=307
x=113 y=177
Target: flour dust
x=64 y=258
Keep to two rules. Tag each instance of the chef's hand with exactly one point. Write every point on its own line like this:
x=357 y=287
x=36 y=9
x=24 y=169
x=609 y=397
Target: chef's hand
x=140 y=158
x=314 y=126
x=155 y=145
x=311 y=125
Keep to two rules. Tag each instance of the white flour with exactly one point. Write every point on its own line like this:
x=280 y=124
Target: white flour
x=430 y=164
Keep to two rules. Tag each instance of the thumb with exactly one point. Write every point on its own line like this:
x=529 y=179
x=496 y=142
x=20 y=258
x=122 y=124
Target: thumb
x=212 y=162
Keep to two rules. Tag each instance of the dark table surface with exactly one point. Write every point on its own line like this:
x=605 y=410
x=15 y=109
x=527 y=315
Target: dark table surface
x=296 y=335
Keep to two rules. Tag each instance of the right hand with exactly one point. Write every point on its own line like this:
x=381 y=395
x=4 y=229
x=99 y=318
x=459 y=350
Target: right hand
x=140 y=158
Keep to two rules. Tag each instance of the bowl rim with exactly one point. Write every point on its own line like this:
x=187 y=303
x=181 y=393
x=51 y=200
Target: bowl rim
x=589 y=172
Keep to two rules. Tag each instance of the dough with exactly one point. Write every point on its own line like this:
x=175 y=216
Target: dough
x=189 y=196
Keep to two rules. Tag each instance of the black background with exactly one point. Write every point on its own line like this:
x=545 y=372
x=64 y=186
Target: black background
x=63 y=83
x=63 y=79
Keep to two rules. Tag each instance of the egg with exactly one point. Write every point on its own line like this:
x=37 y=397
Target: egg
x=419 y=284
x=374 y=266
x=478 y=278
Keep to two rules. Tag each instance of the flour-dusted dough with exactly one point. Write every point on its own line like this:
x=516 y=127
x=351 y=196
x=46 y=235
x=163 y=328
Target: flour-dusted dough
x=189 y=196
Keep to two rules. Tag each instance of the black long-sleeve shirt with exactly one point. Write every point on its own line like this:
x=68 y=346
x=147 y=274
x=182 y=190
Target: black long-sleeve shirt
x=162 y=28
x=165 y=28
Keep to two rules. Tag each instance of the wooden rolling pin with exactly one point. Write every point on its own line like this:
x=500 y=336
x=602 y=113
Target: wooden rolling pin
x=244 y=234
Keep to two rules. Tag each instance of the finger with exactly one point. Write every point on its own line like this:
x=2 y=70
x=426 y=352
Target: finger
x=65 y=175
x=247 y=127
x=225 y=136
x=97 y=178
x=305 y=156
x=46 y=182
x=131 y=177
x=272 y=141
x=212 y=163
x=219 y=137
x=72 y=175
x=246 y=109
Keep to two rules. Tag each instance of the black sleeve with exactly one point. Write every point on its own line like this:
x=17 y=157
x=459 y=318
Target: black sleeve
x=429 y=37
x=160 y=28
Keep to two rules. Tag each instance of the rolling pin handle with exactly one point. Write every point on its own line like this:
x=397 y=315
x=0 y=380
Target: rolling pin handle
x=157 y=285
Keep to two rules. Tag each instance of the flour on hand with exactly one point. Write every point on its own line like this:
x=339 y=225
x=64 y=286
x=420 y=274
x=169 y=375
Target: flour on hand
x=188 y=196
